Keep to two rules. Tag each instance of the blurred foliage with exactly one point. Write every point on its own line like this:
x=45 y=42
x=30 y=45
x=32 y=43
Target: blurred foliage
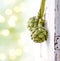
x=10 y=31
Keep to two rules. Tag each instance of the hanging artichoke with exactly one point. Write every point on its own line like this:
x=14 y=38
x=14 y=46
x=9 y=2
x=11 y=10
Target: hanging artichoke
x=36 y=25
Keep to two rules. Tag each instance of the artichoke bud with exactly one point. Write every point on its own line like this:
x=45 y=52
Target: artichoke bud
x=38 y=35
x=32 y=23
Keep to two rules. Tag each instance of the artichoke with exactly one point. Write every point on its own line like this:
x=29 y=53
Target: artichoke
x=36 y=25
x=32 y=23
x=39 y=34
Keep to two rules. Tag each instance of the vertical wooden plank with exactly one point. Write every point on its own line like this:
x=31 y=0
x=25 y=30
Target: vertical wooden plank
x=57 y=30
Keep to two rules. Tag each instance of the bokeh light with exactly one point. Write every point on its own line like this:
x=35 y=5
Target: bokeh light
x=16 y=9
x=12 y=54
x=8 y=12
x=12 y=21
x=3 y=56
x=5 y=32
x=2 y=19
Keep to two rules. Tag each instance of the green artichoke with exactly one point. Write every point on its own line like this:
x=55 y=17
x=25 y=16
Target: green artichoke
x=36 y=25
x=32 y=23
x=39 y=34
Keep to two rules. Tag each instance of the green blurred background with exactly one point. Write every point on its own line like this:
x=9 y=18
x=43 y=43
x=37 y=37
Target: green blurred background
x=11 y=26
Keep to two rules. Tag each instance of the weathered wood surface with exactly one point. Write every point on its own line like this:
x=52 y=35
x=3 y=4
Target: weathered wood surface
x=57 y=30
